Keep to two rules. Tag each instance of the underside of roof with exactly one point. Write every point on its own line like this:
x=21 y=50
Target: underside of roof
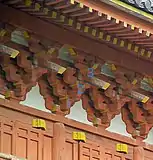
x=78 y=17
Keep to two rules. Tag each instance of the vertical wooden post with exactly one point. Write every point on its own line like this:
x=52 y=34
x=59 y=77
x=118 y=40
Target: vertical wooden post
x=59 y=141
x=138 y=153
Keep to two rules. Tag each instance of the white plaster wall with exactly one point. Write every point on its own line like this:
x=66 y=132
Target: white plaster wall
x=34 y=99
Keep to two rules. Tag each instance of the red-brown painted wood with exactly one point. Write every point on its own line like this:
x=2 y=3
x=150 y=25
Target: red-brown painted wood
x=59 y=144
x=56 y=33
x=138 y=153
x=17 y=137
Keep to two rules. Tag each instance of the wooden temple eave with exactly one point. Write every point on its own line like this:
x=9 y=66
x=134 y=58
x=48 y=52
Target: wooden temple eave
x=120 y=11
x=74 y=15
x=133 y=9
x=70 y=65
x=30 y=23
x=60 y=91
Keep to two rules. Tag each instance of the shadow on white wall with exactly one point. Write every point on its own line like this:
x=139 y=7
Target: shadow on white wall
x=78 y=113
x=118 y=126
x=35 y=100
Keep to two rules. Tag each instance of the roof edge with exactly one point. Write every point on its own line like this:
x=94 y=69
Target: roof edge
x=121 y=14
x=130 y=9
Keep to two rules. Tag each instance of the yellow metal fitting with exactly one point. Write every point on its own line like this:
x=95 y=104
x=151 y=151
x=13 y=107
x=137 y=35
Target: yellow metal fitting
x=125 y=24
x=122 y=43
x=149 y=53
x=99 y=14
x=95 y=66
x=115 y=40
x=142 y=53
x=28 y=3
x=106 y=86
x=90 y=9
x=109 y=17
x=3 y=32
x=54 y=14
x=140 y=30
x=14 y=54
x=45 y=11
x=37 y=6
x=113 y=67
x=81 y=5
x=129 y=46
x=123 y=148
x=51 y=51
x=94 y=32
x=72 y=52
x=70 y=22
x=136 y=48
x=101 y=35
x=78 y=26
x=26 y=34
x=62 y=18
x=148 y=34
x=108 y=38
x=134 y=81
x=72 y=1
x=132 y=27
x=79 y=136
x=61 y=70
x=145 y=99
x=39 y=123
x=86 y=29
x=117 y=21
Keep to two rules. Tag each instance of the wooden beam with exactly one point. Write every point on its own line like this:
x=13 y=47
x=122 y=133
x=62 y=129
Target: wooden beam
x=63 y=36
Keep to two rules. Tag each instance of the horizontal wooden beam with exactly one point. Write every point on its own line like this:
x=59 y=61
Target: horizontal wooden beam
x=64 y=36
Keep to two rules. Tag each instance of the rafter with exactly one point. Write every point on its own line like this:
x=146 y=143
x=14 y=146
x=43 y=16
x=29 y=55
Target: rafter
x=64 y=36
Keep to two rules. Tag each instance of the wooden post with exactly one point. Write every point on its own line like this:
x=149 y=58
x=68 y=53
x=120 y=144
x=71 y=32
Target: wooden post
x=59 y=141
x=138 y=153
